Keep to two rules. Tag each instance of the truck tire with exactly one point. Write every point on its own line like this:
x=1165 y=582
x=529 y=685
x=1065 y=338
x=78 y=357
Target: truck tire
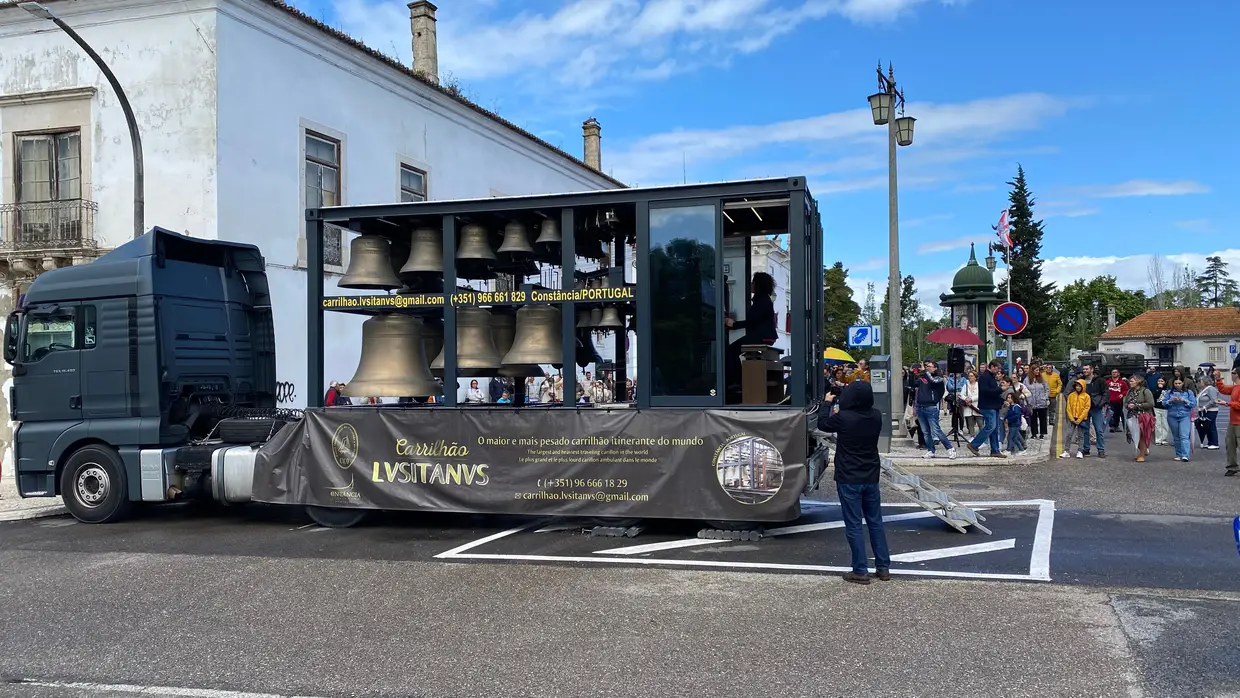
x=94 y=485
x=241 y=430
x=333 y=517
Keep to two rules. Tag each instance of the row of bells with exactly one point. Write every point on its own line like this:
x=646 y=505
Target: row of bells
x=370 y=257
x=395 y=347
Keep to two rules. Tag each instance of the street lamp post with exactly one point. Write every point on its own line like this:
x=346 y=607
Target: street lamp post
x=139 y=214
x=899 y=132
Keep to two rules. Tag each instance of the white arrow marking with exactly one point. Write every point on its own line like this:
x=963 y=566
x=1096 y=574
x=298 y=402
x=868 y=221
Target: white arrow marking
x=940 y=553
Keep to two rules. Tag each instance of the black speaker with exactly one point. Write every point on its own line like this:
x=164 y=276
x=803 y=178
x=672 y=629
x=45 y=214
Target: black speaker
x=955 y=360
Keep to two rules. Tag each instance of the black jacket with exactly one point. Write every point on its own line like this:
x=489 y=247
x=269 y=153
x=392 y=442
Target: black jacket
x=856 y=427
x=1099 y=393
x=989 y=394
x=929 y=390
x=759 y=324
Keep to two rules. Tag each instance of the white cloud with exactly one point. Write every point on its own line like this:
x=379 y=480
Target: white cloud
x=1142 y=187
x=946 y=133
x=1131 y=271
x=590 y=42
x=936 y=246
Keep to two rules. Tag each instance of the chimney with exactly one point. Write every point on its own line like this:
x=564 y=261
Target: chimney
x=1110 y=318
x=425 y=46
x=590 y=133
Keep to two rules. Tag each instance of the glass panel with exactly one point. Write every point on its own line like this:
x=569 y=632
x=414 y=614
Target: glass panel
x=35 y=183
x=406 y=196
x=412 y=180
x=89 y=323
x=68 y=166
x=48 y=334
x=322 y=150
x=685 y=320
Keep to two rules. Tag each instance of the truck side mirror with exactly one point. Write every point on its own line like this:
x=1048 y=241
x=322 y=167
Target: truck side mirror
x=11 y=331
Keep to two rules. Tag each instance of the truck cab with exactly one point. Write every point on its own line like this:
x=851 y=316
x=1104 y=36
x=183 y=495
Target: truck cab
x=121 y=365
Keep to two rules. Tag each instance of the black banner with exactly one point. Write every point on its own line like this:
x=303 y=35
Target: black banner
x=381 y=302
x=732 y=465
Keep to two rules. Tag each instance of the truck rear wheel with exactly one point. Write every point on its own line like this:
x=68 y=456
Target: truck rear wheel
x=333 y=517
x=94 y=485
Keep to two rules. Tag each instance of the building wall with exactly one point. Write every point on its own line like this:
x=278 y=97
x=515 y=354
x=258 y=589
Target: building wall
x=1192 y=352
x=277 y=78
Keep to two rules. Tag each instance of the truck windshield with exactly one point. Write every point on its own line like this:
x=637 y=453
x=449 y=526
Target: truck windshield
x=56 y=331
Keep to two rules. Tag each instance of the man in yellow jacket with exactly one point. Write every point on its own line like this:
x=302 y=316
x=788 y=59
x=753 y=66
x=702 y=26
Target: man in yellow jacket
x=1054 y=384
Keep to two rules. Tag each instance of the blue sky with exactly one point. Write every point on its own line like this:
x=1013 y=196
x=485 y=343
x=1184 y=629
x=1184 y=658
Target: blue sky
x=1119 y=110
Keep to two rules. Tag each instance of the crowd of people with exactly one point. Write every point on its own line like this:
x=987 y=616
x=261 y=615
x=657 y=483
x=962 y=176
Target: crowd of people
x=549 y=389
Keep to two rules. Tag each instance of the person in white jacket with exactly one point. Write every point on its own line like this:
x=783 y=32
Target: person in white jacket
x=968 y=403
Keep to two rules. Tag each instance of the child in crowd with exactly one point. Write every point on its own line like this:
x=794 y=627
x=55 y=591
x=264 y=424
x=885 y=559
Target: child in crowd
x=1013 y=414
x=1078 y=415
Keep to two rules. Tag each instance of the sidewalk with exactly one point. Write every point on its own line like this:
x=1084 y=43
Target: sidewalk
x=14 y=508
x=905 y=452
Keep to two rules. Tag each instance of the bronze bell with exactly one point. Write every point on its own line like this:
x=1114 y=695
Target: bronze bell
x=370 y=265
x=549 y=233
x=583 y=319
x=504 y=331
x=596 y=317
x=432 y=341
x=611 y=318
x=538 y=337
x=516 y=239
x=475 y=347
x=393 y=360
x=475 y=245
x=425 y=252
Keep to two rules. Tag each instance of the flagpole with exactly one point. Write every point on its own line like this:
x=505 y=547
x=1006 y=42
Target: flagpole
x=1007 y=247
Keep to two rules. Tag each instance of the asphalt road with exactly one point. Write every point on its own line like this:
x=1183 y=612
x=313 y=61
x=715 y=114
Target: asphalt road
x=1144 y=599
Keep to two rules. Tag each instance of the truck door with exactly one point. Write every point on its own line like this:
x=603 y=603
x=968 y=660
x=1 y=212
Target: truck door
x=47 y=382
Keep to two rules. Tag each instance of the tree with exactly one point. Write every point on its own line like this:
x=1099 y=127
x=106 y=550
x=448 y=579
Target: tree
x=870 y=314
x=1025 y=266
x=1184 y=292
x=839 y=308
x=910 y=315
x=1215 y=286
x=1083 y=307
x=1158 y=282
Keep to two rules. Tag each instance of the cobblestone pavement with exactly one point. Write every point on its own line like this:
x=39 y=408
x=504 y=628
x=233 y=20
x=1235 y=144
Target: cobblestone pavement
x=905 y=451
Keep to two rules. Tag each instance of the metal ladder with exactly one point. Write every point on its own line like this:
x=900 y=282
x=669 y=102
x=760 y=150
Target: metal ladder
x=930 y=498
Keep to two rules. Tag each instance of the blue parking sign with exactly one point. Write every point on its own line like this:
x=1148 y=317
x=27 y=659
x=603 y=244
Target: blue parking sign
x=859 y=336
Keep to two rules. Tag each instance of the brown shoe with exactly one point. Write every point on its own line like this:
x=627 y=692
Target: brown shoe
x=972 y=448
x=857 y=578
x=882 y=575
x=1140 y=459
x=998 y=455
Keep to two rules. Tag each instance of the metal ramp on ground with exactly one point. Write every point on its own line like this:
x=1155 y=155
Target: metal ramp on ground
x=930 y=498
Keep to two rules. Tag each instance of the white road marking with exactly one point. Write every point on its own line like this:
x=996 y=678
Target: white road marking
x=560 y=527
x=956 y=551
x=1040 y=559
x=302 y=528
x=153 y=690
x=652 y=547
x=317 y=530
x=456 y=552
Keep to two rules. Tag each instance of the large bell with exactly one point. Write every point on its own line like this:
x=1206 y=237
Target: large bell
x=583 y=319
x=432 y=341
x=596 y=317
x=425 y=252
x=475 y=245
x=370 y=265
x=611 y=318
x=504 y=331
x=586 y=353
x=475 y=347
x=393 y=360
x=538 y=337
x=516 y=239
x=549 y=233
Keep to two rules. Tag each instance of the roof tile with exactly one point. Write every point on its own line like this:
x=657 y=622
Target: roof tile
x=1180 y=322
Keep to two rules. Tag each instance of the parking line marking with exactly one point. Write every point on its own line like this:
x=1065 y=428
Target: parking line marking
x=955 y=551
x=1040 y=559
x=653 y=547
x=560 y=527
x=151 y=690
x=456 y=552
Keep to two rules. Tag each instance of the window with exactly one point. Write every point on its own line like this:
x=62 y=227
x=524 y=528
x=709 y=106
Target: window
x=322 y=171
x=55 y=331
x=684 y=321
x=48 y=180
x=412 y=184
x=1217 y=355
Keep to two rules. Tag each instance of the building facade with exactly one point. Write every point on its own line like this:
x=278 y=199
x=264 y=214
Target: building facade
x=1182 y=336
x=249 y=112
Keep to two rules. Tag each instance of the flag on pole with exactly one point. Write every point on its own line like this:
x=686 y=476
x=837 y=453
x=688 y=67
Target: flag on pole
x=1004 y=230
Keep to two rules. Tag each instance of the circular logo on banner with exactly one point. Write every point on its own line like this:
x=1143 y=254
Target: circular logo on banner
x=750 y=469
x=344 y=445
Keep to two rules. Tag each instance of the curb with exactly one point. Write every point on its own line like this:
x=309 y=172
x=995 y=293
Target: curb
x=35 y=513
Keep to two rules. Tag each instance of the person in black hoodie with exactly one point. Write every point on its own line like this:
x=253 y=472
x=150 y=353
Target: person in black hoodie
x=857 y=426
x=759 y=326
x=989 y=400
x=1099 y=398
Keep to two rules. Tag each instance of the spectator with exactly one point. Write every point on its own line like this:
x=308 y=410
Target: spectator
x=989 y=401
x=1098 y=391
x=1232 y=403
x=1179 y=403
x=1117 y=388
x=1078 y=410
x=1139 y=406
x=1039 y=402
x=1012 y=415
x=1162 y=431
x=968 y=404
x=930 y=387
x=1207 y=417
x=474 y=396
x=857 y=426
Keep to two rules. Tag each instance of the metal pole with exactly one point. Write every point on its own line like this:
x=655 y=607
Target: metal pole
x=1008 y=256
x=895 y=379
x=139 y=186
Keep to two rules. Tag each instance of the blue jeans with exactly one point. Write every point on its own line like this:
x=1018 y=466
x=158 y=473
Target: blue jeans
x=857 y=501
x=931 y=430
x=1015 y=440
x=989 y=430
x=1097 y=417
x=1181 y=433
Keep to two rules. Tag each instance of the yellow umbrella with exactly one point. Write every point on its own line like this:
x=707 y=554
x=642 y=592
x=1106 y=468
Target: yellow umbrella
x=837 y=355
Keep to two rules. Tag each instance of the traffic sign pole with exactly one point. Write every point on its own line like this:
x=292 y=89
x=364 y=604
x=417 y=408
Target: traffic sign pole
x=1010 y=319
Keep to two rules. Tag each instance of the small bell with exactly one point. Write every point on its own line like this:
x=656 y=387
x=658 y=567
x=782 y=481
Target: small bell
x=475 y=245
x=425 y=252
x=549 y=233
x=596 y=317
x=611 y=318
x=583 y=319
x=516 y=239
x=370 y=265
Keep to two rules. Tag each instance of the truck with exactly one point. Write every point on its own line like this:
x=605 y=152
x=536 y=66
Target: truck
x=149 y=375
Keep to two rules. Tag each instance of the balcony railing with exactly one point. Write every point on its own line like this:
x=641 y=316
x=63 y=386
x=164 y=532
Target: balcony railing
x=48 y=225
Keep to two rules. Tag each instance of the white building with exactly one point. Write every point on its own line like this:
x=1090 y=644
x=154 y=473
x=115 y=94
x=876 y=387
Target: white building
x=1185 y=336
x=249 y=111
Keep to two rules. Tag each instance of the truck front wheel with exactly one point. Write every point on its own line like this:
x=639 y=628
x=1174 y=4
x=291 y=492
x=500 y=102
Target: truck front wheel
x=94 y=486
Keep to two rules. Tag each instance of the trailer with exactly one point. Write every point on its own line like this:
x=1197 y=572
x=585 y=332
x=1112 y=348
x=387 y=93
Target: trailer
x=172 y=360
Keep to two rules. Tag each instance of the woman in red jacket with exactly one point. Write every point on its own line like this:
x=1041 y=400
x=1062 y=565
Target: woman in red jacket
x=1233 y=421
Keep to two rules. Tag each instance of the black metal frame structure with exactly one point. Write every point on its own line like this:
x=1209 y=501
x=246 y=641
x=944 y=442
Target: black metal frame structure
x=801 y=225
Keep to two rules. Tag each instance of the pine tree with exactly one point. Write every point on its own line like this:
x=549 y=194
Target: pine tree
x=1215 y=286
x=839 y=308
x=1025 y=266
